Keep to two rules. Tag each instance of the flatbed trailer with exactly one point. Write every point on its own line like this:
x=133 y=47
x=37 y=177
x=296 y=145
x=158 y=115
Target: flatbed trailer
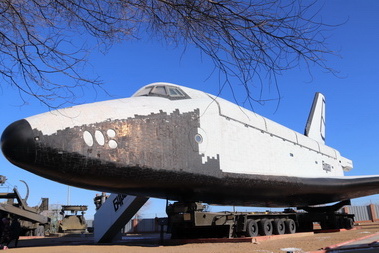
x=190 y=220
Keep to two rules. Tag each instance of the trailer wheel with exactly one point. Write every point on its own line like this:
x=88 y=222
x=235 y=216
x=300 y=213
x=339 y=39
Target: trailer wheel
x=265 y=227
x=176 y=233
x=251 y=228
x=39 y=231
x=279 y=227
x=290 y=226
x=29 y=233
x=349 y=223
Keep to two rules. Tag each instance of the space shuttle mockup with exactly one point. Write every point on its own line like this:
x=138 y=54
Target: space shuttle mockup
x=177 y=143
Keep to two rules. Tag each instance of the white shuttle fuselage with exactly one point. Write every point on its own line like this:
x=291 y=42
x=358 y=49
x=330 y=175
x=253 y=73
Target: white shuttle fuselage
x=169 y=141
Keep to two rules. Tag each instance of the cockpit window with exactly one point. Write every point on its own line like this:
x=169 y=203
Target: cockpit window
x=159 y=90
x=170 y=92
x=144 y=92
x=175 y=92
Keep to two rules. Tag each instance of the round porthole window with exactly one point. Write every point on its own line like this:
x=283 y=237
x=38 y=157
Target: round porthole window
x=99 y=137
x=88 y=139
x=111 y=133
x=198 y=138
x=112 y=144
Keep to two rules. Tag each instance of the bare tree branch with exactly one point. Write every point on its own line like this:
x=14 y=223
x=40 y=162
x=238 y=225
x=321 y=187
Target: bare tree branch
x=246 y=40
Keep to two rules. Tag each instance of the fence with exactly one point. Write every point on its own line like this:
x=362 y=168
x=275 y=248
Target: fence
x=368 y=213
x=142 y=226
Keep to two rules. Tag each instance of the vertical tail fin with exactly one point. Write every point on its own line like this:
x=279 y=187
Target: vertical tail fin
x=315 y=127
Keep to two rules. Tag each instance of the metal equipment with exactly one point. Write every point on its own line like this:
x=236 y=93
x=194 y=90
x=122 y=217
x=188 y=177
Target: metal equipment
x=73 y=222
x=31 y=220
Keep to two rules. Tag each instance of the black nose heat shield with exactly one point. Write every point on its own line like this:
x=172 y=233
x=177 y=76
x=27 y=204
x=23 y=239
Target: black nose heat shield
x=18 y=144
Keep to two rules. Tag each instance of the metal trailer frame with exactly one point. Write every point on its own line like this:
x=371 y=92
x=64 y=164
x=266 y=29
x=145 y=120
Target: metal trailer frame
x=190 y=220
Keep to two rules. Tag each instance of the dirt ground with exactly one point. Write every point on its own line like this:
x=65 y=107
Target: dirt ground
x=305 y=242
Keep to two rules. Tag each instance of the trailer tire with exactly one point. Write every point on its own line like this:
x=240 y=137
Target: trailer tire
x=176 y=233
x=251 y=228
x=39 y=231
x=290 y=226
x=265 y=227
x=29 y=232
x=279 y=227
x=349 y=223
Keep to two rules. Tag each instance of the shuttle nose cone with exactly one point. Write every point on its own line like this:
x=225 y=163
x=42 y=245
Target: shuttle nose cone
x=17 y=143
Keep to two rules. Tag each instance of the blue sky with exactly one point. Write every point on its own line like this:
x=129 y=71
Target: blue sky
x=352 y=96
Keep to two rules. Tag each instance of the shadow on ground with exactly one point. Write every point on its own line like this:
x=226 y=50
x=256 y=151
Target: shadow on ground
x=148 y=240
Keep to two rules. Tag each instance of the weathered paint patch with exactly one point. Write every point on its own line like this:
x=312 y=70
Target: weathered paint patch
x=158 y=141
